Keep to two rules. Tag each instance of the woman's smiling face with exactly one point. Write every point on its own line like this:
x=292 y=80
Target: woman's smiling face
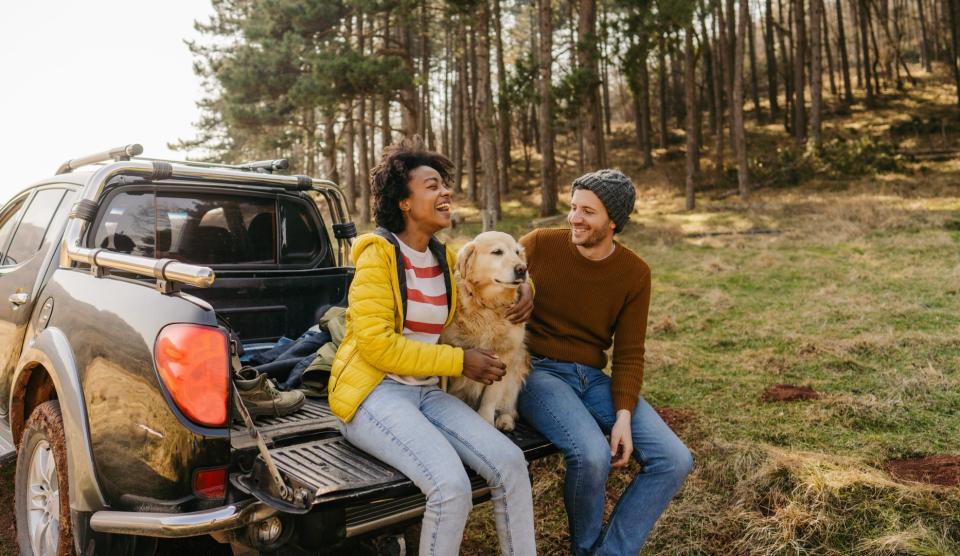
x=428 y=206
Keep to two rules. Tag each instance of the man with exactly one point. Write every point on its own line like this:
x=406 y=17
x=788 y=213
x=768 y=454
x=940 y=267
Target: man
x=590 y=290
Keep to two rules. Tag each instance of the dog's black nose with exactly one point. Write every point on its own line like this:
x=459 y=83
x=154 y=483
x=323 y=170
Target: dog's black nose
x=520 y=271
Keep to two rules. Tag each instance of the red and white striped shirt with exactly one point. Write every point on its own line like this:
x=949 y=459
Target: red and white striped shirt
x=426 y=303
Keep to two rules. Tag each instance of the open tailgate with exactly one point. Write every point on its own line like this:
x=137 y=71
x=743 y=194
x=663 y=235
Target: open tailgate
x=326 y=470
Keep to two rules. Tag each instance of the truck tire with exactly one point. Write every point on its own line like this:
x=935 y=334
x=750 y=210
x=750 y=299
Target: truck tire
x=42 y=504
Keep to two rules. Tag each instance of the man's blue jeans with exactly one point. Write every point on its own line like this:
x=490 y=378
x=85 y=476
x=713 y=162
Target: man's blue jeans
x=572 y=406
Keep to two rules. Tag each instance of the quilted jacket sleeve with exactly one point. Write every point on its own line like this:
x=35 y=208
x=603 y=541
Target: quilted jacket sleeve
x=373 y=309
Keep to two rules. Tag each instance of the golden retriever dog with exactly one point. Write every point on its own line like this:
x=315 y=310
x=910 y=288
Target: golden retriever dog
x=489 y=270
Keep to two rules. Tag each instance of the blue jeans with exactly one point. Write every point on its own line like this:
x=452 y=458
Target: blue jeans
x=425 y=433
x=572 y=406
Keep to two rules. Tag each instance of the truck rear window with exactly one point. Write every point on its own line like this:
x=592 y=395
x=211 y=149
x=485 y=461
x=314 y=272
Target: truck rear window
x=210 y=229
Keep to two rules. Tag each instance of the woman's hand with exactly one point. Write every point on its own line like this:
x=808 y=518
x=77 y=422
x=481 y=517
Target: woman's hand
x=522 y=308
x=621 y=437
x=483 y=365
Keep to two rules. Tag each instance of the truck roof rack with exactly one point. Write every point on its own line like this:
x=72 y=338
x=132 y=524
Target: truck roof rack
x=134 y=150
x=169 y=272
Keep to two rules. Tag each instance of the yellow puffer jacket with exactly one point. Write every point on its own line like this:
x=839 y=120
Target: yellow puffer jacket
x=374 y=344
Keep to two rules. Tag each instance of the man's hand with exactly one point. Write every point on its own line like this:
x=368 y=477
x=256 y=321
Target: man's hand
x=483 y=365
x=621 y=438
x=522 y=308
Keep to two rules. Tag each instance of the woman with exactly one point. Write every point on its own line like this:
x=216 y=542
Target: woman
x=384 y=381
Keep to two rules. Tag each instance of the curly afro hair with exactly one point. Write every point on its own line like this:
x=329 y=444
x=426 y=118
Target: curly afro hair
x=390 y=178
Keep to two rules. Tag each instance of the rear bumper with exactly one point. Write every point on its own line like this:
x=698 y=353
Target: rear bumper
x=181 y=525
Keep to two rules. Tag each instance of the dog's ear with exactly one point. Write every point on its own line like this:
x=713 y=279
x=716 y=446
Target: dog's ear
x=522 y=252
x=463 y=258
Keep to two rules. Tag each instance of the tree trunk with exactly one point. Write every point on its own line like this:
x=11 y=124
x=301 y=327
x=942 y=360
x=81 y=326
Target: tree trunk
x=409 y=102
x=728 y=41
x=816 y=73
x=718 y=78
x=770 y=47
x=372 y=134
x=871 y=33
x=485 y=122
x=784 y=31
x=743 y=177
x=844 y=61
x=447 y=147
x=424 y=126
x=936 y=17
x=709 y=66
x=825 y=41
x=591 y=111
x=471 y=115
x=503 y=106
x=605 y=72
x=955 y=43
x=799 y=73
x=349 y=161
x=386 y=137
x=754 y=85
x=863 y=16
x=459 y=90
x=310 y=141
x=363 y=177
x=548 y=169
x=693 y=114
x=679 y=110
x=924 y=39
x=858 y=56
x=662 y=98
x=330 y=146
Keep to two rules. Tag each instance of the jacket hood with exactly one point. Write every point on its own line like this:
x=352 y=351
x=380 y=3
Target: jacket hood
x=364 y=241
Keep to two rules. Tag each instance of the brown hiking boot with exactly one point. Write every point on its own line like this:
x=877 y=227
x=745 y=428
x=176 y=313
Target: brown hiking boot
x=261 y=397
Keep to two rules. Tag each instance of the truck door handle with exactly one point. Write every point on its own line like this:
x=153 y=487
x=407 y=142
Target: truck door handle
x=19 y=298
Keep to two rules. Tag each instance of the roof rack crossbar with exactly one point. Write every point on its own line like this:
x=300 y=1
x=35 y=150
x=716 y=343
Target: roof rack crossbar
x=116 y=154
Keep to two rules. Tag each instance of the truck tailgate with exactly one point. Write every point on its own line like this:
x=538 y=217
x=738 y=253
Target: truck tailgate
x=329 y=471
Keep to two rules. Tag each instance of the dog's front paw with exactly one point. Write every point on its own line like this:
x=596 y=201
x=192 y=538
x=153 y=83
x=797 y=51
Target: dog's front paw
x=505 y=422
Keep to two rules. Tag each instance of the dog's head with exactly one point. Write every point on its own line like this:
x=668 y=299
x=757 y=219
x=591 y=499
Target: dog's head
x=491 y=265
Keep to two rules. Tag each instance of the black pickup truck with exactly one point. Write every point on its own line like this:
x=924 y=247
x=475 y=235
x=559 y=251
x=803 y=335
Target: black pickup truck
x=123 y=284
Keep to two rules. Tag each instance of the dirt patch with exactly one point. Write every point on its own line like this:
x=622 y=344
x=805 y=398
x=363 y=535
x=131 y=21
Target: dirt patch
x=934 y=470
x=677 y=419
x=8 y=531
x=789 y=393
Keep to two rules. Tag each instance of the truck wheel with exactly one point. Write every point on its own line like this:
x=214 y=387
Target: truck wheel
x=42 y=487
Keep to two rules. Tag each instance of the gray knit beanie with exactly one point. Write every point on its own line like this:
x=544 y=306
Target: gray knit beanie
x=615 y=191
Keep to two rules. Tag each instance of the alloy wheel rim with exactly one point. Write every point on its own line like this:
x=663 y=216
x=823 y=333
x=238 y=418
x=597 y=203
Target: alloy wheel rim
x=43 y=511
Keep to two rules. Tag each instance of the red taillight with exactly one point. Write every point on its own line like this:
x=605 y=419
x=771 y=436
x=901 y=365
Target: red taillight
x=210 y=483
x=193 y=363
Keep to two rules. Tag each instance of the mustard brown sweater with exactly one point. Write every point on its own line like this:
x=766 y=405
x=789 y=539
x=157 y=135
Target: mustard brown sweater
x=581 y=304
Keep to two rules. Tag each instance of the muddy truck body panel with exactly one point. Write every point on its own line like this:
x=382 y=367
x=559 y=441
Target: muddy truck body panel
x=144 y=449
